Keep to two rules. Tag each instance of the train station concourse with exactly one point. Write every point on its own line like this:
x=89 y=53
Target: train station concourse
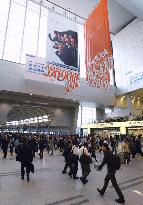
x=71 y=102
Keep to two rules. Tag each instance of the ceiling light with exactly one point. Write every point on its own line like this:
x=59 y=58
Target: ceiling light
x=134 y=97
x=138 y=98
x=30 y=94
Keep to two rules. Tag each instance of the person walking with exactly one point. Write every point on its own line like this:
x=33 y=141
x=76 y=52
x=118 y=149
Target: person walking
x=41 y=147
x=68 y=157
x=111 y=170
x=11 y=146
x=74 y=159
x=51 y=145
x=138 y=146
x=25 y=156
x=4 y=146
x=126 y=151
x=85 y=162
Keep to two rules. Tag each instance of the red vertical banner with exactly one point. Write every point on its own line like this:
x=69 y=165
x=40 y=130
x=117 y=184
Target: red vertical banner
x=98 y=50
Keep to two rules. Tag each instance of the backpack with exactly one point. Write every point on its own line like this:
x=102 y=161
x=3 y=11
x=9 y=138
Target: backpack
x=84 y=159
x=117 y=162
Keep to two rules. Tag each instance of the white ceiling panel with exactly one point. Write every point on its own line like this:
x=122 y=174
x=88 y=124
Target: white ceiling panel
x=134 y=6
x=118 y=15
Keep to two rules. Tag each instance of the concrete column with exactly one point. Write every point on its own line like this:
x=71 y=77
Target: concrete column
x=123 y=130
x=88 y=130
x=74 y=120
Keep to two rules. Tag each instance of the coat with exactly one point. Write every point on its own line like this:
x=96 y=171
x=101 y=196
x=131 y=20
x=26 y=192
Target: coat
x=24 y=154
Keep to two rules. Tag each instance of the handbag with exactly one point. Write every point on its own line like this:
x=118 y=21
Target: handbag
x=84 y=159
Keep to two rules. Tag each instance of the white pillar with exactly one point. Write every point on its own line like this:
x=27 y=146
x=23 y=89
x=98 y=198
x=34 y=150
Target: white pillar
x=129 y=104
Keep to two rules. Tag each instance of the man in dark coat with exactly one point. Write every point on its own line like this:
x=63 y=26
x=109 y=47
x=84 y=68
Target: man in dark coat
x=25 y=156
x=41 y=147
x=4 y=146
x=138 y=146
x=67 y=155
x=111 y=170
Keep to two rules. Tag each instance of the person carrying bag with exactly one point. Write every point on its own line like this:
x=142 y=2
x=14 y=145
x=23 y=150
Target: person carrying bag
x=85 y=161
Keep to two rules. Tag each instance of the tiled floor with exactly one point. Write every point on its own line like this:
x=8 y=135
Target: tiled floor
x=49 y=187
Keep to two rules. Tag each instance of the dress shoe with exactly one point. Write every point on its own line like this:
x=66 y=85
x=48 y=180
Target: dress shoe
x=28 y=179
x=100 y=191
x=64 y=172
x=75 y=177
x=70 y=174
x=120 y=201
x=85 y=181
x=81 y=179
x=22 y=178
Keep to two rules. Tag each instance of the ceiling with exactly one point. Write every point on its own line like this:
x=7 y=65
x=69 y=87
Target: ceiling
x=17 y=106
x=35 y=100
x=133 y=6
x=119 y=15
x=137 y=94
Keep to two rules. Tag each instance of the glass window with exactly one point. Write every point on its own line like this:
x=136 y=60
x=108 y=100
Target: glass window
x=14 y=33
x=43 y=33
x=4 y=8
x=45 y=120
x=40 y=118
x=35 y=120
x=107 y=110
x=21 y=2
x=45 y=116
x=31 y=31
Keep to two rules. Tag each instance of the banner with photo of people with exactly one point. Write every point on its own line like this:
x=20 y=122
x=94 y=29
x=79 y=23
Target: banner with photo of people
x=99 y=60
x=62 y=49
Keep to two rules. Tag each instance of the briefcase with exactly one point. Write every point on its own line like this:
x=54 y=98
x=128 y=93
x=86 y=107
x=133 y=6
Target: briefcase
x=32 y=168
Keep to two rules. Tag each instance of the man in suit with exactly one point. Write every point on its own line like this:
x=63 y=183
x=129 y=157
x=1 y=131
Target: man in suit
x=111 y=170
x=25 y=156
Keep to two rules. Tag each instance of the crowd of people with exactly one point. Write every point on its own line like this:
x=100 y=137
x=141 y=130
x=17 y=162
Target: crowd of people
x=121 y=119
x=75 y=150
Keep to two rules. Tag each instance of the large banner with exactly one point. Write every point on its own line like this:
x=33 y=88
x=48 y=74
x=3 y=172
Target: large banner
x=62 y=46
x=135 y=78
x=61 y=65
x=42 y=70
x=98 y=48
